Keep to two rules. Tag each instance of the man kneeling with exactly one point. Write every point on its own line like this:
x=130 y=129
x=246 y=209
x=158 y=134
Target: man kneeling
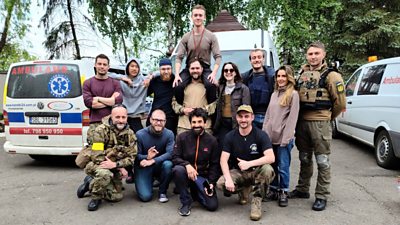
x=114 y=147
x=249 y=152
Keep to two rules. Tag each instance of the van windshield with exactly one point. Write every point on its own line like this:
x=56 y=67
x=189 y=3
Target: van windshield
x=239 y=57
x=44 y=81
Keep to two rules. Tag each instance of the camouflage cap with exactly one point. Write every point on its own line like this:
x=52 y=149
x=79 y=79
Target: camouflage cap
x=246 y=108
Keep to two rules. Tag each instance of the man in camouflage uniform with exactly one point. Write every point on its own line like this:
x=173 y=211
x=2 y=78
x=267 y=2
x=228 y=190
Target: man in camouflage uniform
x=114 y=147
x=245 y=162
x=322 y=99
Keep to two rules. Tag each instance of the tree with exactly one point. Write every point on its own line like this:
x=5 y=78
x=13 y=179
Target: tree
x=365 y=28
x=296 y=23
x=59 y=40
x=137 y=25
x=13 y=53
x=14 y=14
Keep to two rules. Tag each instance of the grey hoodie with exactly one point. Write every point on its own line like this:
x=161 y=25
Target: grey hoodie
x=134 y=97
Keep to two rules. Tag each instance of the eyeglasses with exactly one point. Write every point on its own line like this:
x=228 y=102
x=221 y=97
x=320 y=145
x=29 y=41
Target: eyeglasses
x=229 y=70
x=158 y=120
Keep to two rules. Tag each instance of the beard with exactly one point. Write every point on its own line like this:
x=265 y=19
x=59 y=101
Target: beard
x=195 y=76
x=120 y=126
x=198 y=130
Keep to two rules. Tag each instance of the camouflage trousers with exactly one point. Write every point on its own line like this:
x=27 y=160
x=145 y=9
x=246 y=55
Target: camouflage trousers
x=106 y=184
x=256 y=177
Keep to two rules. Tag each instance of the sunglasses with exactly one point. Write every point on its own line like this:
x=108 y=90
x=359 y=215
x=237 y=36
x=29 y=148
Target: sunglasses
x=229 y=70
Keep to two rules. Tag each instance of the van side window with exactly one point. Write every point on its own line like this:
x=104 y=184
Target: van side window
x=371 y=80
x=351 y=83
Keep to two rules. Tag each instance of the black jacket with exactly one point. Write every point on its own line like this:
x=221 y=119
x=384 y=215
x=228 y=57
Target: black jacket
x=207 y=162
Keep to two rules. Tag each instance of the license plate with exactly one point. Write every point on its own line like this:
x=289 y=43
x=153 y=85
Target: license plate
x=43 y=120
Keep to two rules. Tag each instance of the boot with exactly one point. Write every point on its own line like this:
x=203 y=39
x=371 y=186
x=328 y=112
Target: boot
x=94 y=204
x=244 y=195
x=255 y=213
x=83 y=188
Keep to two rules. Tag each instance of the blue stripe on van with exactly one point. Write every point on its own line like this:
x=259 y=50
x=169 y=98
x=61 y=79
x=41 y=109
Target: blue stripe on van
x=16 y=117
x=71 y=118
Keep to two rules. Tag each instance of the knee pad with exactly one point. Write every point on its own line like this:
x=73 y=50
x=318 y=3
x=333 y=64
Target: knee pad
x=305 y=157
x=323 y=161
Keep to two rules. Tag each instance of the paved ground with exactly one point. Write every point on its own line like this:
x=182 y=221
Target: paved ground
x=45 y=193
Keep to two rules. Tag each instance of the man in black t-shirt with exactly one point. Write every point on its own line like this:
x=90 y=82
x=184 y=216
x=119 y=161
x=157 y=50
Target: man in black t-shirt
x=245 y=161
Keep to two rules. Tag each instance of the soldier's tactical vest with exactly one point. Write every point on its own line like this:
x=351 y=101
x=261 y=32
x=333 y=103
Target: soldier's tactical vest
x=312 y=90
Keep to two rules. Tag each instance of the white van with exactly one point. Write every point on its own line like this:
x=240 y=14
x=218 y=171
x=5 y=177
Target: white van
x=43 y=108
x=373 y=109
x=236 y=45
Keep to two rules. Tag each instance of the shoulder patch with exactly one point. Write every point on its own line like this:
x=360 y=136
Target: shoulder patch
x=339 y=87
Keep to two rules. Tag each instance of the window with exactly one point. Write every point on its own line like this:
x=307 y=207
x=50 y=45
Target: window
x=44 y=81
x=351 y=83
x=371 y=80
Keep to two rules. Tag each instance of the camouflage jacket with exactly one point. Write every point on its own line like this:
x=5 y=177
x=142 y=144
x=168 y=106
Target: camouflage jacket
x=118 y=146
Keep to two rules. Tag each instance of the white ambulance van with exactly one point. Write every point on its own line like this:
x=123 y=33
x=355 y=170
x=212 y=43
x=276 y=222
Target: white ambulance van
x=235 y=46
x=43 y=108
x=373 y=109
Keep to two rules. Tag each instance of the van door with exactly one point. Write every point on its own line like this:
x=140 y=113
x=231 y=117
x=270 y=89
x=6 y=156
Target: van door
x=364 y=106
x=44 y=105
x=344 y=119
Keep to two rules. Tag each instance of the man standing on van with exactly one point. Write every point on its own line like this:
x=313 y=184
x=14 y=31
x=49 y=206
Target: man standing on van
x=197 y=44
x=100 y=93
x=322 y=99
x=260 y=80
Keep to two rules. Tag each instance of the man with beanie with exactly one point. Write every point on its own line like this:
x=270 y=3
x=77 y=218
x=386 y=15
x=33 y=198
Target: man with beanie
x=161 y=88
x=196 y=165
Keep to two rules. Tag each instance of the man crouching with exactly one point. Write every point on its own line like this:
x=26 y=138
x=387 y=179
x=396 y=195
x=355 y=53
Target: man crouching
x=114 y=147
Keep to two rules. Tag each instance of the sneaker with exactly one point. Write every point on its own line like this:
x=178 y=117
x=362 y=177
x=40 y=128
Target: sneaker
x=255 y=213
x=272 y=195
x=283 y=199
x=244 y=195
x=298 y=194
x=163 y=198
x=184 y=210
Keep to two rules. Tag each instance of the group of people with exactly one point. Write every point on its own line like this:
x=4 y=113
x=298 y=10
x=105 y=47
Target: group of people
x=234 y=134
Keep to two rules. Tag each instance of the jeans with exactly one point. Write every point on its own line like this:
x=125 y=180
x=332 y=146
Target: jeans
x=282 y=167
x=258 y=120
x=182 y=183
x=144 y=177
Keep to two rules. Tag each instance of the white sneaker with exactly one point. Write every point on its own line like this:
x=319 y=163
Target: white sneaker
x=163 y=198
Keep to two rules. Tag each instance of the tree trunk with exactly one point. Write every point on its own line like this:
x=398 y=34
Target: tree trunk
x=125 y=50
x=6 y=25
x=71 y=21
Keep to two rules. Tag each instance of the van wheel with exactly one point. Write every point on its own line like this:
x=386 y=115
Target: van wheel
x=335 y=132
x=384 y=151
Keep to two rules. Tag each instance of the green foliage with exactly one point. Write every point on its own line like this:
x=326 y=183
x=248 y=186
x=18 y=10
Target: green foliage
x=13 y=17
x=13 y=53
x=365 y=28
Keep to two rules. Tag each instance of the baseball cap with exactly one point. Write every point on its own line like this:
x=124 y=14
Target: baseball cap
x=246 y=108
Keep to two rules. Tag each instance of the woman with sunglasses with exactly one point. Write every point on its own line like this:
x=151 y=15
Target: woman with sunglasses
x=232 y=93
x=280 y=122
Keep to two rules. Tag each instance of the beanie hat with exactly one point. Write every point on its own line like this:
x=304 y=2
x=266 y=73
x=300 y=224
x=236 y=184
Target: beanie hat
x=165 y=62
